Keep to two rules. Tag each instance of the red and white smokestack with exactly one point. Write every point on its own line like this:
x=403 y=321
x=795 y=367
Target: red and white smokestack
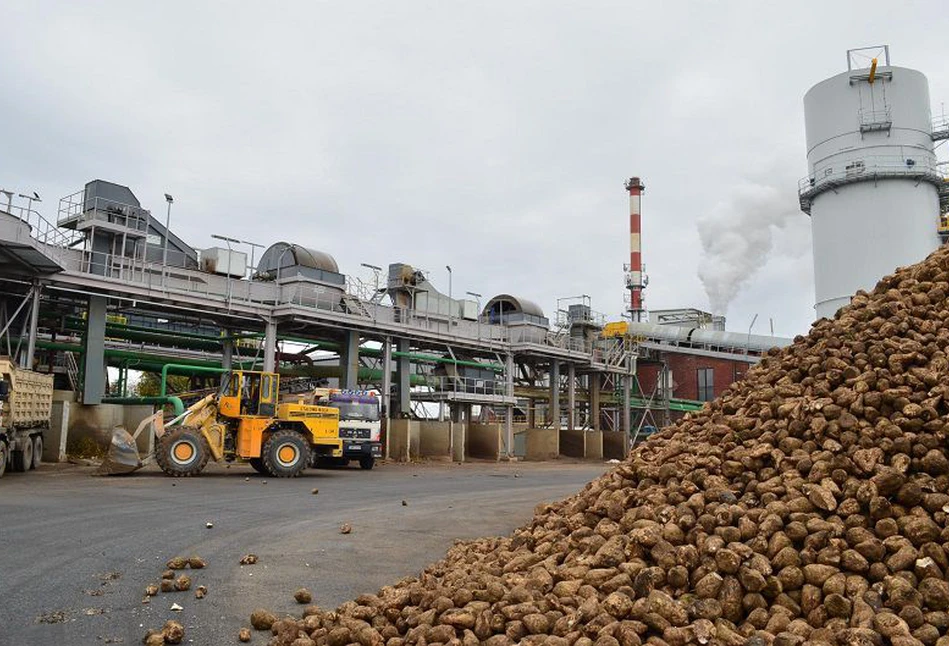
x=634 y=278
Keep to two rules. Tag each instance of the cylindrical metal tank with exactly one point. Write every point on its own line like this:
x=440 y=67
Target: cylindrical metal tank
x=871 y=187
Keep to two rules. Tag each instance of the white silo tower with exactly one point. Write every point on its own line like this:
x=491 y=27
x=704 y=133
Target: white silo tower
x=873 y=187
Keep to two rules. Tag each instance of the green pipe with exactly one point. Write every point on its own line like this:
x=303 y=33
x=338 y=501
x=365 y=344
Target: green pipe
x=154 y=401
x=198 y=369
x=142 y=358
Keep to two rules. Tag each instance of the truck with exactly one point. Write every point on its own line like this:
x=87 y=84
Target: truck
x=26 y=398
x=360 y=425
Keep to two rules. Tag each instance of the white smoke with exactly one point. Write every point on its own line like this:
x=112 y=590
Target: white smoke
x=738 y=235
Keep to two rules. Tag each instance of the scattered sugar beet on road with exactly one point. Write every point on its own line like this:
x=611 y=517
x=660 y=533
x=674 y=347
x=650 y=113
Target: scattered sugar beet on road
x=81 y=551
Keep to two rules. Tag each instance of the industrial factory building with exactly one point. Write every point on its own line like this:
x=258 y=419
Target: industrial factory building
x=104 y=289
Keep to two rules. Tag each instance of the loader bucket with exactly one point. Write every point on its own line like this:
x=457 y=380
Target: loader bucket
x=123 y=455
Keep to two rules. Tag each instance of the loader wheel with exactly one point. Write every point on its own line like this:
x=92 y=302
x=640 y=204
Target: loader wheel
x=285 y=454
x=3 y=458
x=182 y=452
x=22 y=460
x=258 y=465
x=37 y=451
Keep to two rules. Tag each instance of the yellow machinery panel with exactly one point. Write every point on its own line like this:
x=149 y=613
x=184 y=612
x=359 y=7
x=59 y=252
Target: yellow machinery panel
x=615 y=329
x=321 y=421
x=250 y=432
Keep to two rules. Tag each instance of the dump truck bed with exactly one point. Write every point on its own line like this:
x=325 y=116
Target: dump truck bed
x=30 y=397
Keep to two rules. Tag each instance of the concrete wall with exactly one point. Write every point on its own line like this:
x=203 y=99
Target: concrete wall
x=615 y=445
x=541 y=444
x=594 y=445
x=54 y=442
x=484 y=441
x=78 y=428
x=434 y=439
x=403 y=439
x=573 y=443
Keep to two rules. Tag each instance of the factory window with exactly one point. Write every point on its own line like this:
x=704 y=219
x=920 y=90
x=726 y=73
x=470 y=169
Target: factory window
x=706 y=384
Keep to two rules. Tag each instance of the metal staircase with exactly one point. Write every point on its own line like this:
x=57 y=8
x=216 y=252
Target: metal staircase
x=354 y=305
x=72 y=369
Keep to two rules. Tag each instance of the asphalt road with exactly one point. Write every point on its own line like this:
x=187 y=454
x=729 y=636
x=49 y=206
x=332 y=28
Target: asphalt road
x=77 y=551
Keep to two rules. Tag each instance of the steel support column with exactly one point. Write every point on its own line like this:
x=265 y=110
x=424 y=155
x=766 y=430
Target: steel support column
x=93 y=374
x=227 y=354
x=627 y=387
x=594 y=381
x=571 y=396
x=349 y=361
x=553 y=408
x=386 y=390
x=26 y=359
x=509 y=410
x=403 y=374
x=270 y=346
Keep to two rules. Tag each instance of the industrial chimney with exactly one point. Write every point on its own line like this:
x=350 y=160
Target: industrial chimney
x=635 y=278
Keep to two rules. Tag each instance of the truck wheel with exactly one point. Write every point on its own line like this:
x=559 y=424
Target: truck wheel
x=182 y=452
x=37 y=451
x=258 y=465
x=285 y=454
x=367 y=462
x=3 y=458
x=22 y=460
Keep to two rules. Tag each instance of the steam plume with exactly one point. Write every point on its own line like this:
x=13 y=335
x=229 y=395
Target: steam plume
x=737 y=236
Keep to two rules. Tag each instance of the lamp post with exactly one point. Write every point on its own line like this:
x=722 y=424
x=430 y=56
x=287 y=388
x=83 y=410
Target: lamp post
x=375 y=274
x=748 y=342
x=450 y=304
x=164 y=251
x=32 y=198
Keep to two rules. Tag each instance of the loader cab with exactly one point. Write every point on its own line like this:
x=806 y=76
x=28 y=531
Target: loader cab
x=250 y=394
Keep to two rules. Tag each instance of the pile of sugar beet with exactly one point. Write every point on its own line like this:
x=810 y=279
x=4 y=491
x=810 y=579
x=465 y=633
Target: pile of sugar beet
x=807 y=504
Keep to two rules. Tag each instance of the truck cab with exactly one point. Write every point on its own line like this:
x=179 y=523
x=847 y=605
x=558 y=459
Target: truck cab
x=360 y=425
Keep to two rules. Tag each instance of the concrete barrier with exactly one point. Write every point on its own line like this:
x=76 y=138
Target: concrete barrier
x=403 y=440
x=573 y=443
x=594 y=445
x=615 y=445
x=91 y=426
x=54 y=442
x=459 y=432
x=434 y=439
x=541 y=444
x=484 y=441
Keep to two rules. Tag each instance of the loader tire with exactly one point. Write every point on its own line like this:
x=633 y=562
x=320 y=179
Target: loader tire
x=258 y=465
x=182 y=452
x=3 y=458
x=285 y=454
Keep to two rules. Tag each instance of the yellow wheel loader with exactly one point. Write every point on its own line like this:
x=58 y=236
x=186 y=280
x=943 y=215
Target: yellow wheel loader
x=247 y=421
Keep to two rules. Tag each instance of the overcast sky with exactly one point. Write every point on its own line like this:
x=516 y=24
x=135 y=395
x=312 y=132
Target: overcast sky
x=494 y=137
